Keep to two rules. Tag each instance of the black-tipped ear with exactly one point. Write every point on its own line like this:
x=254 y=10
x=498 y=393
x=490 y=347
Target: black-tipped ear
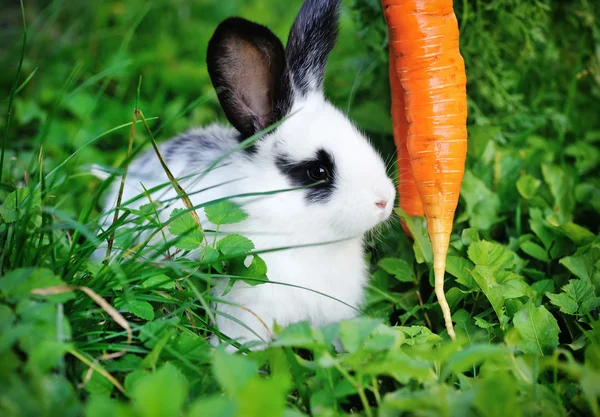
x=247 y=67
x=311 y=39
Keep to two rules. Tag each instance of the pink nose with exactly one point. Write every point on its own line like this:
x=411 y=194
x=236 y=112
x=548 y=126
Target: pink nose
x=381 y=204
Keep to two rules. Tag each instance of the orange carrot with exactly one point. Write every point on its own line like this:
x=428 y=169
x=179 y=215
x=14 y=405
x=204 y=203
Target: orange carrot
x=431 y=71
x=408 y=194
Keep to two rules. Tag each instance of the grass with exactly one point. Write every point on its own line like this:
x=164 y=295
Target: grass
x=129 y=338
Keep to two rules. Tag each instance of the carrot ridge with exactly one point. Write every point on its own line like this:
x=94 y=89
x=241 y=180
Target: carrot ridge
x=429 y=110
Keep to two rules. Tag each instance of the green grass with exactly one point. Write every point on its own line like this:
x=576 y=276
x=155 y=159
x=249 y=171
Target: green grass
x=129 y=338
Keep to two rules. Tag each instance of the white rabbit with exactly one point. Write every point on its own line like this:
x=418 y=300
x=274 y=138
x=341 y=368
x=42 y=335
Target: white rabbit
x=259 y=84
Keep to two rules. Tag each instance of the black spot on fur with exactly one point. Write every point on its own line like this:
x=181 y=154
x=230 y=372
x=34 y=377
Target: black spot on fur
x=193 y=144
x=193 y=140
x=302 y=173
x=311 y=39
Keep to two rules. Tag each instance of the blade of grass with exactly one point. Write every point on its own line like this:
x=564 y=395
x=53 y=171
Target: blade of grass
x=111 y=238
x=56 y=106
x=24 y=83
x=93 y=365
x=46 y=219
x=180 y=191
x=13 y=91
x=105 y=305
x=101 y=135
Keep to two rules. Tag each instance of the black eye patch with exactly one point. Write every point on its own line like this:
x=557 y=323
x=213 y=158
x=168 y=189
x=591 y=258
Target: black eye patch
x=319 y=170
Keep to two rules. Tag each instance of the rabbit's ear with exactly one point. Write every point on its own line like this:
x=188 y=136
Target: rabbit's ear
x=246 y=64
x=311 y=39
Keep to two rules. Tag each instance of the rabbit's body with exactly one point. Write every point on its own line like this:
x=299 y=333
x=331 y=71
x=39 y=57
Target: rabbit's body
x=322 y=274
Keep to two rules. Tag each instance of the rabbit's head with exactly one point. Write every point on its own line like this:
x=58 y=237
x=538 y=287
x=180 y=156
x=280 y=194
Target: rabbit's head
x=259 y=84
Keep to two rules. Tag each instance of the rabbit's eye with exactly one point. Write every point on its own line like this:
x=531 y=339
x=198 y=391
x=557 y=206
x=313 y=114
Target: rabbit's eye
x=317 y=173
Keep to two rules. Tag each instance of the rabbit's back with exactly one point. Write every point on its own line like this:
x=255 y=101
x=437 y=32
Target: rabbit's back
x=186 y=153
x=200 y=160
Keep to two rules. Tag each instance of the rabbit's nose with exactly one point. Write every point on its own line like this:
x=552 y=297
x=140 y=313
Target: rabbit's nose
x=381 y=204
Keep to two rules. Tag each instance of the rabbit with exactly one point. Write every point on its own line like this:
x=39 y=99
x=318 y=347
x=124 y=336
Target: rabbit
x=261 y=85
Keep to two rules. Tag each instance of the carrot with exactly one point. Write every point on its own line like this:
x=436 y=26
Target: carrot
x=431 y=71
x=408 y=194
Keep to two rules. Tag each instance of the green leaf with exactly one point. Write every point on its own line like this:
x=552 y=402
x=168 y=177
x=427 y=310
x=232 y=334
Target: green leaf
x=132 y=378
x=541 y=228
x=588 y=194
x=489 y=254
x=225 y=212
x=470 y=235
x=514 y=286
x=190 y=235
x=578 y=297
x=99 y=406
x=81 y=104
x=575 y=232
x=562 y=187
x=484 y=324
x=586 y=156
x=146 y=212
x=161 y=281
x=263 y=397
x=402 y=367
x=471 y=356
x=233 y=372
x=140 y=308
x=27 y=111
x=399 y=268
x=353 y=333
x=460 y=268
x=479 y=137
x=579 y=289
x=535 y=251
x=580 y=266
x=484 y=276
x=566 y=303
x=299 y=334
x=384 y=338
x=46 y=355
x=589 y=305
x=20 y=282
x=528 y=186
x=257 y=270
x=482 y=205
x=496 y=396
x=17 y=203
x=232 y=245
x=543 y=286
x=209 y=254
x=454 y=295
x=97 y=385
x=491 y=259
x=161 y=393
x=419 y=335
x=214 y=406
x=537 y=330
x=290 y=412
x=418 y=230
x=464 y=323
x=432 y=401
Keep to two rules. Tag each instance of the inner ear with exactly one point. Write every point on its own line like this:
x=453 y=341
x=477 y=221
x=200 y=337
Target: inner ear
x=246 y=64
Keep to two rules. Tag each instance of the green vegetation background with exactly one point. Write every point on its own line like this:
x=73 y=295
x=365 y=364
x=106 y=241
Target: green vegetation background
x=523 y=273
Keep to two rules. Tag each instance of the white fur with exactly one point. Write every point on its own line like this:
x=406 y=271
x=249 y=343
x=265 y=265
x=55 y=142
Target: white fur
x=286 y=219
